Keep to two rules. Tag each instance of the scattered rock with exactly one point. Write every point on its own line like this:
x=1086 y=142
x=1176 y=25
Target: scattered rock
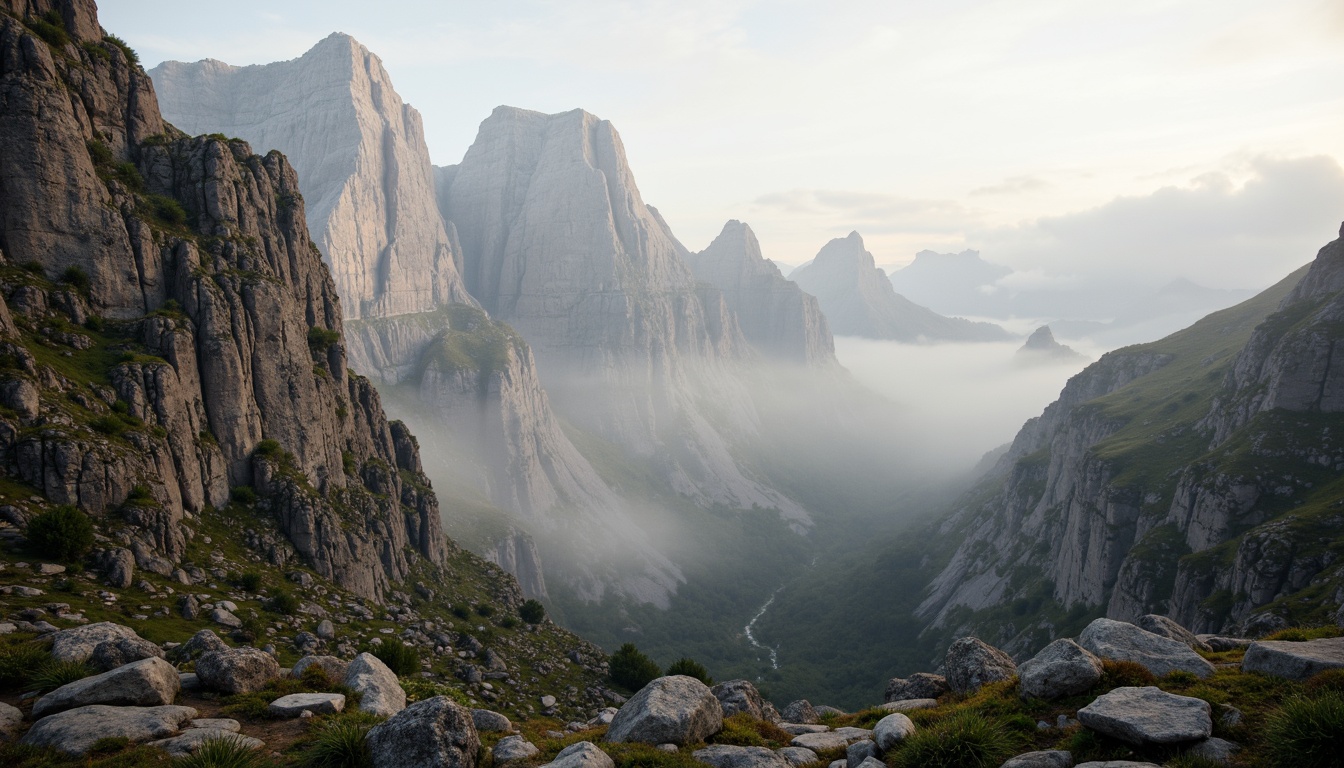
x=434 y=732
x=798 y=756
x=840 y=738
x=237 y=670
x=971 y=663
x=740 y=696
x=906 y=705
x=1161 y=625
x=859 y=752
x=193 y=739
x=800 y=711
x=726 y=756
x=217 y=723
x=547 y=701
x=326 y=630
x=920 y=685
x=488 y=722
x=1123 y=641
x=798 y=729
x=1294 y=660
x=892 y=730
x=146 y=683
x=1148 y=715
x=1219 y=643
x=513 y=748
x=675 y=709
x=379 y=691
x=224 y=618
x=120 y=651
x=201 y=643
x=1062 y=668
x=334 y=668
x=1050 y=758
x=295 y=704
x=77 y=644
x=10 y=720
x=75 y=730
x=583 y=754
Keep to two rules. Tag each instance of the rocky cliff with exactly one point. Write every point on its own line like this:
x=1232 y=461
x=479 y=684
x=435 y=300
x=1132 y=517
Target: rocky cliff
x=174 y=332
x=775 y=316
x=362 y=161
x=1195 y=476
x=858 y=300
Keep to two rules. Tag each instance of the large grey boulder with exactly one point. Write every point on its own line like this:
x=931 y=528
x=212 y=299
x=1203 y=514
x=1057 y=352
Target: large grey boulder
x=726 y=756
x=1062 y=668
x=146 y=683
x=120 y=651
x=487 y=721
x=583 y=754
x=1294 y=660
x=201 y=643
x=797 y=756
x=379 y=691
x=1050 y=758
x=859 y=752
x=512 y=748
x=971 y=663
x=237 y=670
x=1161 y=625
x=892 y=730
x=800 y=711
x=334 y=668
x=295 y=704
x=740 y=696
x=920 y=685
x=1123 y=641
x=77 y=643
x=75 y=730
x=192 y=739
x=434 y=732
x=670 y=710
x=1148 y=715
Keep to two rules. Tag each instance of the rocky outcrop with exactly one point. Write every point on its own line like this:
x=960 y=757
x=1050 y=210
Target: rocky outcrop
x=670 y=710
x=362 y=162
x=1041 y=348
x=858 y=300
x=775 y=316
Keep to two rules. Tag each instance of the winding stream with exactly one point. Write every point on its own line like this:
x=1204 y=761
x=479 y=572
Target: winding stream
x=774 y=657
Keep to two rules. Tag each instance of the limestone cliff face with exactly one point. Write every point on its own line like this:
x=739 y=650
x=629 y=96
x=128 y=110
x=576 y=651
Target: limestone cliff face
x=362 y=161
x=775 y=316
x=858 y=300
x=557 y=242
x=232 y=371
x=1192 y=476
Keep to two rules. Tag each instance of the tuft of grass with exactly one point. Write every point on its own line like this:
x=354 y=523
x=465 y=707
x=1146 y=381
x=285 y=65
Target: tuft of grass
x=743 y=730
x=399 y=657
x=224 y=752
x=110 y=744
x=1329 y=680
x=248 y=581
x=1121 y=674
x=18 y=662
x=339 y=744
x=54 y=674
x=284 y=603
x=51 y=28
x=319 y=339
x=243 y=494
x=1302 y=634
x=166 y=210
x=965 y=740
x=1306 y=732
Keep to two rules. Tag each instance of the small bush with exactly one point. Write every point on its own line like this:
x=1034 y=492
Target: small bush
x=461 y=611
x=399 y=657
x=167 y=210
x=224 y=752
x=94 y=323
x=1118 y=674
x=631 y=669
x=738 y=731
x=129 y=52
x=319 y=339
x=1306 y=732
x=690 y=668
x=109 y=744
x=54 y=674
x=51 y=28
x=965 y=740
x=243 y=494
x=140 y=495
x=249 y=581
x=509 y=622
x=129 y=175
x=1329 y=680
x=63 y=533
x=108 y=425
x=284 y=603
x=76 y=278
x=485 y=609
x=99 y=152
x=33 y=266
x=341 y=744
x=269 y=449
x=532 y=611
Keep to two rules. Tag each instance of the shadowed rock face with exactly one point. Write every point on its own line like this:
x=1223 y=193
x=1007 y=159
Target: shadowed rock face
x=361 y=158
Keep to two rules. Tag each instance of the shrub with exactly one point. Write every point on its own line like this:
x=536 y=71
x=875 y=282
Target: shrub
x=690 y=668
x=509 y=622
x=224 y=752
x=33 y=266
x=63 y=533
x=1329 y=680
x=532 y=611
x=1117 y=674
x=284 y=603
x=249 y=581
x=269 y=449
x=51 y=28
x=167 y=210
x=130 y=53
x=94 y=323
x=1306 y=732
x=632 y=669
x=399 y=657
x=129 y=175
x=461 y=611
x=54 y=674
x=110 y=744
x=99 y=152
x=319 y=339
x=965 y=740
x=108 y=425
x=243 y=494
x=341 y=744
x=738 y=732
x=485 y=609
x=18 y=662
x=139 y=495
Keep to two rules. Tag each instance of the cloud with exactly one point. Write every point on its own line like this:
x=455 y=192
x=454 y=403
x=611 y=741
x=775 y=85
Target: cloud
x=1213 y=230
x=1012 y=186
x=867 y=212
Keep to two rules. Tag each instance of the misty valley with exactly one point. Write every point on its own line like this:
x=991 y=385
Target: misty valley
x=317 y=453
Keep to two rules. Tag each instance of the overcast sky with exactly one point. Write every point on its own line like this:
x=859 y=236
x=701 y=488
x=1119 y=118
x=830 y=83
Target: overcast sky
x=1186 y=137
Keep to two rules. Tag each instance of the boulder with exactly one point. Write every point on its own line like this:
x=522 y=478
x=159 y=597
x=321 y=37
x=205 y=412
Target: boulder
x=295 y=704
x=798 y=729
x=1294 y=660
x=823 y=710
x=193 y=739
x=487 y=721
x=326 y=630
x=379 y=691
x=237 y=670
x=871 y=762
x=674 y=710
x=840 y=738
x=217 y=723
x=1215 y=749
x=859 y=751
x=434 y=732
x=920 y=685
x=334 y=668
x=1116 y=764
x=727 y=756
x=892 y=730
x=225 y=618
x=797 y=756
x=1050 y=758
x=10 y=720
x=1062 y=668
x=74 y=731
x=971 y=663
x=77 y=643
x=201 y=643
x=1148 y=715
x=512 y=748
x=1220 y=643
x=799 y=711
x=120 y=651
x=583 y=754
x=740 y=696
x=1161 y=625
x=1123 y=641
x=1263 y=624
x=907 y=705
x=145 y=683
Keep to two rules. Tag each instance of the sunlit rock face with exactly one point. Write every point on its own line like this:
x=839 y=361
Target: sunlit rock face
x=362 y=162
x=858 y=300
x=777 y=318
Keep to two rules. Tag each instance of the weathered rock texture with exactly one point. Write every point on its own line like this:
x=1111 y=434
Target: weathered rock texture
x=362 y=162
x=858 y=300
x=775 y=315
x=670 y=710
